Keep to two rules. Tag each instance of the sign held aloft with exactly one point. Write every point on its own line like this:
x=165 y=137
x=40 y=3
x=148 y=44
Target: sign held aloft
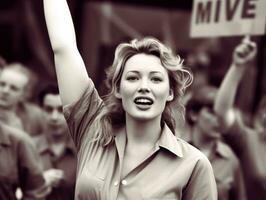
x=212 y=18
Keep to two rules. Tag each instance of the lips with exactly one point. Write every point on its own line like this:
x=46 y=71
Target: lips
x=143 y=101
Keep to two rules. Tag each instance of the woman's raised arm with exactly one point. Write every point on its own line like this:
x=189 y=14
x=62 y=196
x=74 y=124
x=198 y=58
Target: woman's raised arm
x=70 y=69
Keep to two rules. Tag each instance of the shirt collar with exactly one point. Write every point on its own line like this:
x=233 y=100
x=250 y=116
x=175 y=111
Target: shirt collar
x=170 y=142
x=167 y=141
x=120 y=141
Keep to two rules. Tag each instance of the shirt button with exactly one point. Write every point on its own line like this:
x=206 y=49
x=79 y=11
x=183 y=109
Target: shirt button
x=124 y=182
x=116 y=183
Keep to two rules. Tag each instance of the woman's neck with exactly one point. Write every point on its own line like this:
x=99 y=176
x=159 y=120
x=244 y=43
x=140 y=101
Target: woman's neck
x=143 y=132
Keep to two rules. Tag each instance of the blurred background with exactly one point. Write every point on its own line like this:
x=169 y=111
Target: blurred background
x=101 y=25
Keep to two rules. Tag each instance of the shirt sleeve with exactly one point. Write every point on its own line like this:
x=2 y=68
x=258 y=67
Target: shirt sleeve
x=202 y=183
x=81 y=114
x=31 y=179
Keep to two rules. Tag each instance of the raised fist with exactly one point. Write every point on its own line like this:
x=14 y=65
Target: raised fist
x=244 y=52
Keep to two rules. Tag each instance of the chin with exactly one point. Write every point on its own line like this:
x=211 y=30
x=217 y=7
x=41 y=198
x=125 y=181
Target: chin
x=144 y=117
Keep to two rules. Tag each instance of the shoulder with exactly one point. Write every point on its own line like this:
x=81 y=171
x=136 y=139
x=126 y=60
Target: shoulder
x=192 y=153
x=201 y=176
x=185 y=151
x=15 y=135
x=189 y=150
x=89 y=99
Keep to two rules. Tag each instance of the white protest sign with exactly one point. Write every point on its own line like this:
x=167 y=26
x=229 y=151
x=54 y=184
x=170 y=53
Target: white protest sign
x=212 y=18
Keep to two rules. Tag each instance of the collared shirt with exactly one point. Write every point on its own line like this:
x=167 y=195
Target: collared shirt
x=173 y=170
x=19 y=166
x=228 y=173
x=251 y=151
x=65 y=162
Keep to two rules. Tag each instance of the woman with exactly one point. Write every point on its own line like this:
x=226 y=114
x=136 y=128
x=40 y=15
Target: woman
x=126 y=143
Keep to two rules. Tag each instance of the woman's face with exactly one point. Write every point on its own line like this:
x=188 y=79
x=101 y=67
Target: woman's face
x=144 y=87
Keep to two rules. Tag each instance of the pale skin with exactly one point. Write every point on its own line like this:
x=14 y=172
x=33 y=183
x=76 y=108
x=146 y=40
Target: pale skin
x=73 y=81
x=70 y=69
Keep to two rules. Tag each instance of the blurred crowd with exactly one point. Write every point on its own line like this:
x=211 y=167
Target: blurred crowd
x=38 y=158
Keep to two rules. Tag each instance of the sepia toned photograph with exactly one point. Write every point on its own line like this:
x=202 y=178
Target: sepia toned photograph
x=132 y=100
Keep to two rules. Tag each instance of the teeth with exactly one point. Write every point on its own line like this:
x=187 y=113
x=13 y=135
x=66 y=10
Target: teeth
x=143 y=101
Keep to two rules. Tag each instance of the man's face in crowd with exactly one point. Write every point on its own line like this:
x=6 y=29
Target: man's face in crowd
x=208 y=123
x=52 y=106
x=12 y=87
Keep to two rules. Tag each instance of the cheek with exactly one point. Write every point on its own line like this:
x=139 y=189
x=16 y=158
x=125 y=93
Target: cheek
x=162 y=91
x=127 y=90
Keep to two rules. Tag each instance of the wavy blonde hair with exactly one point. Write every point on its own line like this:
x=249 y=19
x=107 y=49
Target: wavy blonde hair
x=113 y=115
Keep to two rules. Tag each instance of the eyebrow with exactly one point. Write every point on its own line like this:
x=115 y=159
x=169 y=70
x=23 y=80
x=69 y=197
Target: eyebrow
x=137 y=72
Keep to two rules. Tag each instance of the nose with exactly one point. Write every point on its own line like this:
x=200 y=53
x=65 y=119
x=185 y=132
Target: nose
x=144 y=86
x=55 y=115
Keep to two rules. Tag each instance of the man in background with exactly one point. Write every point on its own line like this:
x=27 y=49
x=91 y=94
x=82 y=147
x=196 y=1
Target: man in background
x=56 y=150
x=206 y=137
x=15 y=109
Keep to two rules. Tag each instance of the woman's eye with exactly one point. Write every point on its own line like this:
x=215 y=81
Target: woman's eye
x=132 y=78
x=156 y=79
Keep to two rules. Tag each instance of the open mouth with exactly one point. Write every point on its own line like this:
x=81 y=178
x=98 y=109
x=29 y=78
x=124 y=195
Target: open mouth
x=143 y=101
